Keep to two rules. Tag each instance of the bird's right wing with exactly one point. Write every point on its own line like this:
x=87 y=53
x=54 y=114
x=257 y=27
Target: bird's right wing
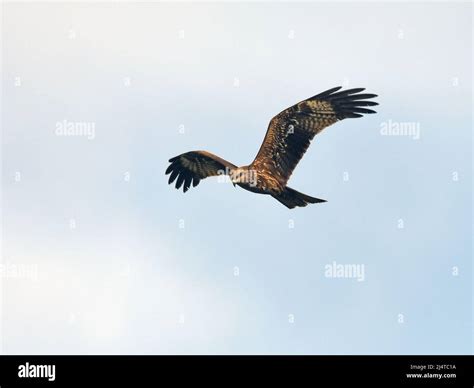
x=196 y=165
x=291 y=131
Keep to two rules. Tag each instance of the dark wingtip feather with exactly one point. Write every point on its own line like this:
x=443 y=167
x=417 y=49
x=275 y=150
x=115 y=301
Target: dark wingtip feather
x=349 y=103
x=363 y=110
x=179 y=181
x=332 y=90
x=173 y=176
x=169 y=169
x=349 y=115
x=187 y=181
x=327 y=92
x=350 y=91
x=173 y=159
x=361 y=103
x=364 y=96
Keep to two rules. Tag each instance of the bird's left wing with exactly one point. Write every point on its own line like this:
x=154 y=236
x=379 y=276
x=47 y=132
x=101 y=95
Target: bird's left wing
x=196 y=165
x=291 y=131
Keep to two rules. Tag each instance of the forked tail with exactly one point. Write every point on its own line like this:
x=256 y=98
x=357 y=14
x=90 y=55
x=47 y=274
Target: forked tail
x=292 y=198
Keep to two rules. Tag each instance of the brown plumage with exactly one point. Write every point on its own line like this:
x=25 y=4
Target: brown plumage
x=288 y=137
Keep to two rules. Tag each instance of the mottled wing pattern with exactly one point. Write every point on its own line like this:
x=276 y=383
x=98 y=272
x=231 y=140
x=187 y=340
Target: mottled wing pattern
x=291 y=131
x=195 y=165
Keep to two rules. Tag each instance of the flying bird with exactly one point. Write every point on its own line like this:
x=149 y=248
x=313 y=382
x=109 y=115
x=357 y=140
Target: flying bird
x=287 y=139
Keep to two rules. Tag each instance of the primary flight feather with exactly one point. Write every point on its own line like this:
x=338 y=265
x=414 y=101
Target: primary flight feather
x=288 y=137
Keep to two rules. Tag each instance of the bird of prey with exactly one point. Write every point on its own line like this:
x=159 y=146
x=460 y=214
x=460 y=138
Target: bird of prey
x=287 y=139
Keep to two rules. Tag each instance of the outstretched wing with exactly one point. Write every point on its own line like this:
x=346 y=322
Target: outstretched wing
x=291 y=131
x=194 y=166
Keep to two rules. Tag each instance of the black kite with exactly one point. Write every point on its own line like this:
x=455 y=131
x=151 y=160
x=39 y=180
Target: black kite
x=287 y=139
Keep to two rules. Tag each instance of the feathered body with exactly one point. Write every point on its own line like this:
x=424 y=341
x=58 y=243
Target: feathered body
x=288 y=136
